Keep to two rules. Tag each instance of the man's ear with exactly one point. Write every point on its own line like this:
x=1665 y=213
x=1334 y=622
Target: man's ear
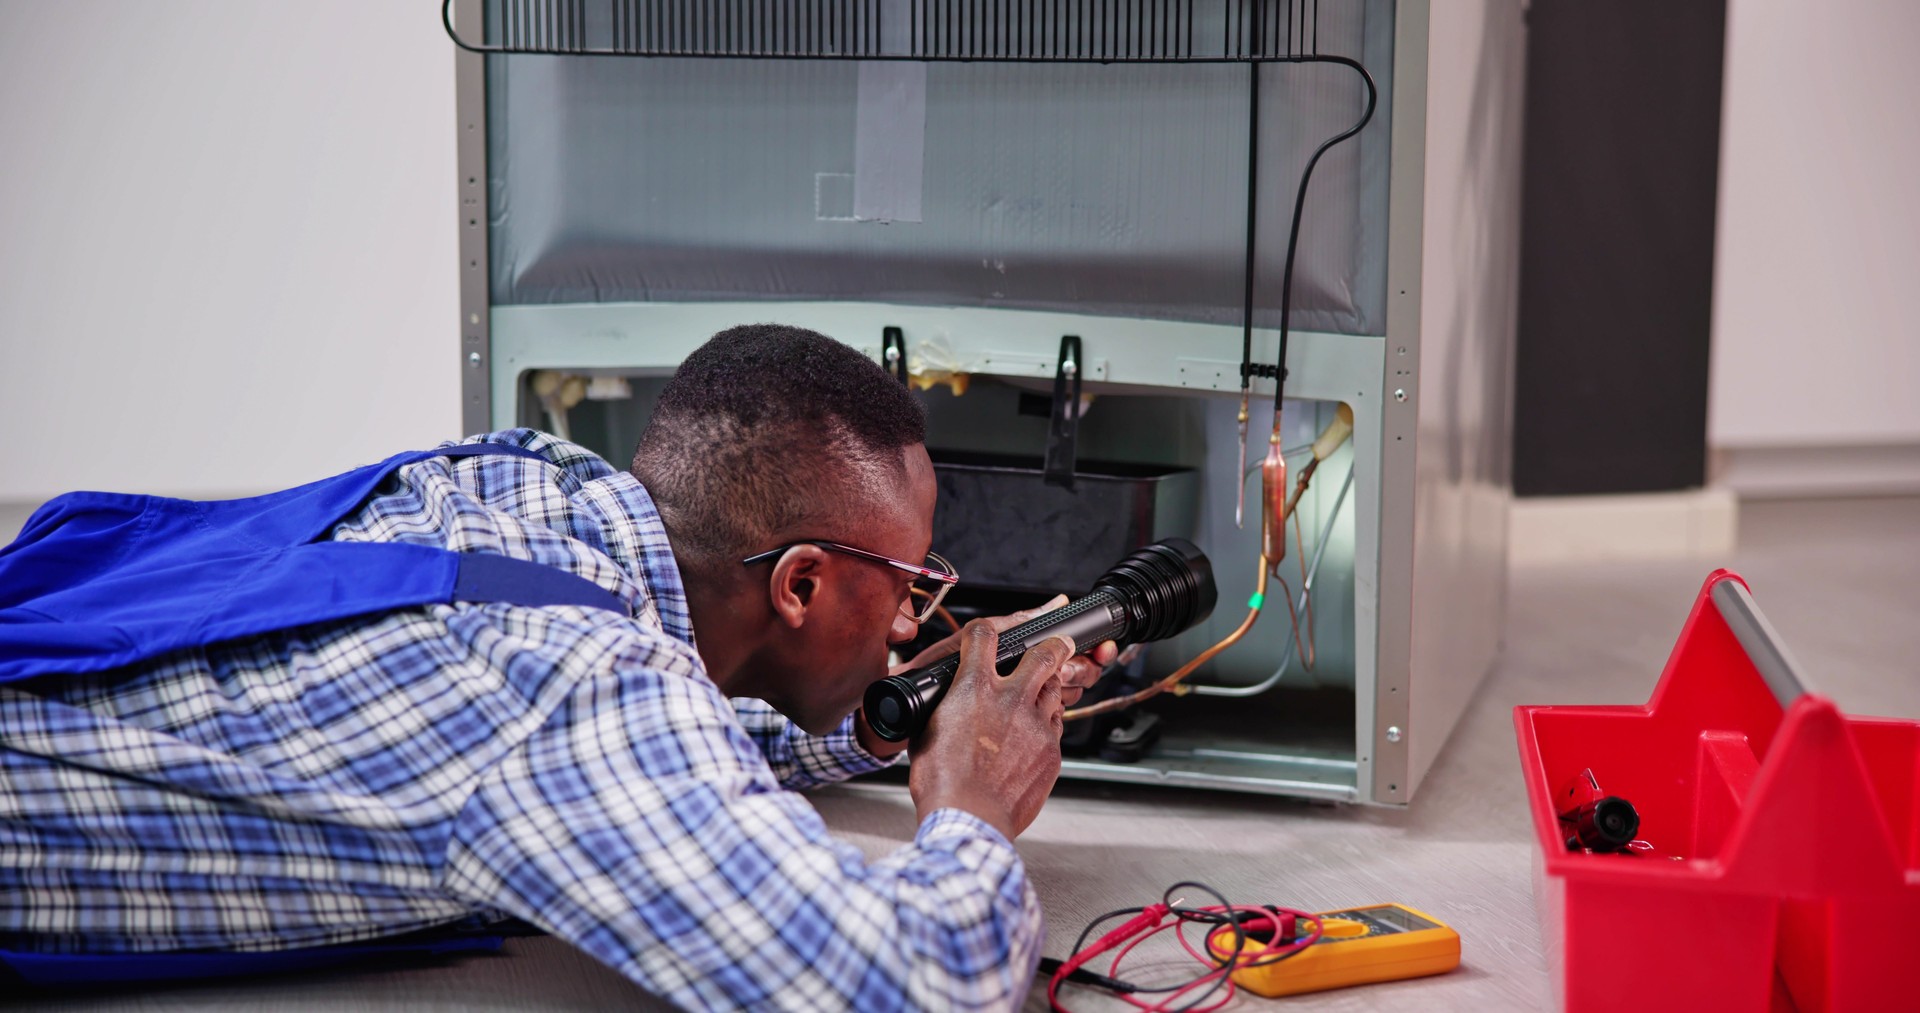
x=795 y=583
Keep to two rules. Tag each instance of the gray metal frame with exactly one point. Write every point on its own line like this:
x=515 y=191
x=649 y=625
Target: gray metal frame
x=1381 y=377
x=1451 y=529
x=476 y=324
x=1382 y=721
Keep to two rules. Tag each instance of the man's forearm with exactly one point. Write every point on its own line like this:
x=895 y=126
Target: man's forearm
x=946 y=922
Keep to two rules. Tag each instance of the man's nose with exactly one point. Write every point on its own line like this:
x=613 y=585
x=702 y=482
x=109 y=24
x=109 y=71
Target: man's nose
x=904 y=629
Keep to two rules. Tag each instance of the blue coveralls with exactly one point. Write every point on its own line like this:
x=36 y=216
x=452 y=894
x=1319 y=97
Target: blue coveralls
x=99 y=581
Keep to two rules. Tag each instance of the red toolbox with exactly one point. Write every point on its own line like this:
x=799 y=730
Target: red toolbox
x=1778 y=843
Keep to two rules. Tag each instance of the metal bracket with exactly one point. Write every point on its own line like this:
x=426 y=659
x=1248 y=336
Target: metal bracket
x=893 y=352
x=1064 y=421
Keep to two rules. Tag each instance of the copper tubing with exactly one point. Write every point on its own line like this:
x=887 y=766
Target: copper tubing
x=1274 y=510
x=1299 y=487
x=1117 y=703
x=1336 y=433
x=1273 y=504
x=1240 y=503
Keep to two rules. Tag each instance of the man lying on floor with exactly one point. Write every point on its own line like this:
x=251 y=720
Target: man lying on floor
x=244 y=726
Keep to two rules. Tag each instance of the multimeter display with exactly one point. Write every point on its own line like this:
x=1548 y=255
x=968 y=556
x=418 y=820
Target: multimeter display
x=1383 y=942
x=1384 y=920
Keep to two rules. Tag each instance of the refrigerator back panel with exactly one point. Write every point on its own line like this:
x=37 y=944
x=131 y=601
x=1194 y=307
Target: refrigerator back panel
x=1111 y=190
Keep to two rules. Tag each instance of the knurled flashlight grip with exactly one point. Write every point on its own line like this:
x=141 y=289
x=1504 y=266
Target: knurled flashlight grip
x=898 y=707
x=1154 y=593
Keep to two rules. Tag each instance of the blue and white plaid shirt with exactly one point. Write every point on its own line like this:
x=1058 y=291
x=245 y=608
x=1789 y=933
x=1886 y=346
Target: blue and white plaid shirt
x=564 y=765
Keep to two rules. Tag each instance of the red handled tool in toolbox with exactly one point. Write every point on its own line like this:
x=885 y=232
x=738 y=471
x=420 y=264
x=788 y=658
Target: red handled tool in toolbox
x=1775 y=861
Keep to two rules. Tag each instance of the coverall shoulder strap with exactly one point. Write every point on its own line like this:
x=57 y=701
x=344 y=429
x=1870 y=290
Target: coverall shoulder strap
x=98 y=581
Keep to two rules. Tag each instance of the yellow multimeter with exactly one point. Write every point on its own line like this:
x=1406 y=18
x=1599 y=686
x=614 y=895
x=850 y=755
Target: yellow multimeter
x=1384 y=942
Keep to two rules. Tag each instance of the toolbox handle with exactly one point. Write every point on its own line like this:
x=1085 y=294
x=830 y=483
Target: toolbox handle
x=1758 y=638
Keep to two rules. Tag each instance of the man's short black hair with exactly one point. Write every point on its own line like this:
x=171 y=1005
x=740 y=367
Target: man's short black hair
x=769 y=433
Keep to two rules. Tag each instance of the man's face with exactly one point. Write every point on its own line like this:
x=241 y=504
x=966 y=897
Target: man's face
x=859 y=617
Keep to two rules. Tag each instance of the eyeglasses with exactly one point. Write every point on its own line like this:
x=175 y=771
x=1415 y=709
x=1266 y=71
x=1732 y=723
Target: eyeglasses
x=931 y=582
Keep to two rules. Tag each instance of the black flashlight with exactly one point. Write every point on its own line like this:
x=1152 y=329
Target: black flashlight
x=1154 y=593
x=1608 y=824
x=1593 y=819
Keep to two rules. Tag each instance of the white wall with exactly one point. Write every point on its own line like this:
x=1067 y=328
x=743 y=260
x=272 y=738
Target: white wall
x=227 y=242
x=1816 y=310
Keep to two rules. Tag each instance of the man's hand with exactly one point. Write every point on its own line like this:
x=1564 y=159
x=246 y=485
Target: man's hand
x=1076 y=677
x=992 y=747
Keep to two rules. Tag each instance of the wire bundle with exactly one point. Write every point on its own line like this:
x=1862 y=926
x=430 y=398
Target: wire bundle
x=1246 y=923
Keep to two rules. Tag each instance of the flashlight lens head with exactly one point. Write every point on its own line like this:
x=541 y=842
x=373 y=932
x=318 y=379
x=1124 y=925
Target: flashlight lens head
x=1606 y=824
x=1167 y=587
x=892 y=707
x=1615 y=821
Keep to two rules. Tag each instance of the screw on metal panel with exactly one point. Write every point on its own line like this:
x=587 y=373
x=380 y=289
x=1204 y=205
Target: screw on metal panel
x=1069 y=367
x=1400 y=394
x=473 y=358
x=893 y=354
x=1393 y=733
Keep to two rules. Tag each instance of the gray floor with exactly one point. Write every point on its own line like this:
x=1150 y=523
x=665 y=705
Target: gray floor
x=1839 y=580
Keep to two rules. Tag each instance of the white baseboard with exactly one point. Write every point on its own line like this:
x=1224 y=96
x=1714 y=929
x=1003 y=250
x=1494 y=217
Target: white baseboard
x=1690 y=524
x=1889 y=469
x=13 y=517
